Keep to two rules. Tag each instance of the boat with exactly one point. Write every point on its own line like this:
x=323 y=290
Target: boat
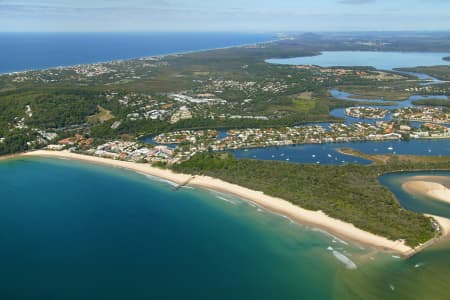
x=390 y=148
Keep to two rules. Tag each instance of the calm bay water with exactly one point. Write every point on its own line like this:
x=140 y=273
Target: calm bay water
x=340 y=112
x=75 y=231
x=329 y=153
x=378 y=60
x=416 y=203
x=26 y=51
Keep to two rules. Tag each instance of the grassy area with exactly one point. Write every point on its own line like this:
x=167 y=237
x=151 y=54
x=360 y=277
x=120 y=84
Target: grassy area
x=304 y=105
x=350 y=193
x=303 y=102
x=103 y=115
x=377 y=92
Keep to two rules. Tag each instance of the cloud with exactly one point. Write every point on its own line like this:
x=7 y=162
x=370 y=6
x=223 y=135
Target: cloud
x=357 y=2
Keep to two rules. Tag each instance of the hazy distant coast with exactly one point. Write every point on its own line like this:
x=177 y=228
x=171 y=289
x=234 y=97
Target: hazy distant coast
x=29 y=54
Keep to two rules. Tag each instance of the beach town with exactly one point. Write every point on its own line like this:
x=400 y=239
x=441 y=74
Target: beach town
x=175 y=147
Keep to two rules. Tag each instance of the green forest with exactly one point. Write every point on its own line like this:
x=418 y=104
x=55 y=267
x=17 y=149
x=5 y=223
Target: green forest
x=351 y=192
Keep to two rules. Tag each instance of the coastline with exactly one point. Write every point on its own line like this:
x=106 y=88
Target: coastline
x=119 y=60
x=10 y=156
x=318 y=219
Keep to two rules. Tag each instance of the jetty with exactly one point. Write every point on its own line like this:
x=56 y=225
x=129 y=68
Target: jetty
x=184 y=183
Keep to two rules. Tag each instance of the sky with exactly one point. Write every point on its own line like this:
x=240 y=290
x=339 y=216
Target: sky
x=223 y=15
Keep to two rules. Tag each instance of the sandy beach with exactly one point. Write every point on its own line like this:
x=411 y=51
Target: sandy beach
x=445 y=225
x=430 y=186
x=316 y=219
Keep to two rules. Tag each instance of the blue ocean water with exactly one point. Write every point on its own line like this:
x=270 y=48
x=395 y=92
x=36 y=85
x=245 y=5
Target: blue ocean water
x=25 y=51
x=378 y=60
x=70 y=230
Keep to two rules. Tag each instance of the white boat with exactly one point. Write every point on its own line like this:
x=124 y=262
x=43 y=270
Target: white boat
x=390 y=148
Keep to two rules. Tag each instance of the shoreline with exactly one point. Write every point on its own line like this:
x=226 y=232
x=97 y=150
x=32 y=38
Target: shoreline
x=119 y=60
x=317 y=219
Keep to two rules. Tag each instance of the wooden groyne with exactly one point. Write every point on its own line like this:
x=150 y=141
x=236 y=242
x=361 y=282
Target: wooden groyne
x=184 y=183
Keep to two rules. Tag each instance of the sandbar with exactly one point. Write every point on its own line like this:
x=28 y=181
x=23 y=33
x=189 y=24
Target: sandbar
x=429 y=186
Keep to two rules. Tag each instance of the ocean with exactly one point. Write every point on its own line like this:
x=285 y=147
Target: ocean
x=71 y=230
x=27 y=51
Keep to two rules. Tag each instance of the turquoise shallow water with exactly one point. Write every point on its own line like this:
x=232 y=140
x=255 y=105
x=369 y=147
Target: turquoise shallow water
x=69 y=230
x=76 y=231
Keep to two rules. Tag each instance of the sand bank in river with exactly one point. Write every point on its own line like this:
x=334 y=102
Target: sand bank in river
x=430 y=186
